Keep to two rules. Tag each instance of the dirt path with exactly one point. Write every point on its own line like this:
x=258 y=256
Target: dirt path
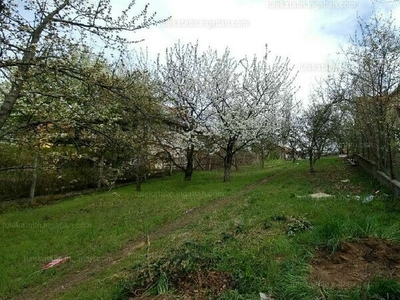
x=55 y=288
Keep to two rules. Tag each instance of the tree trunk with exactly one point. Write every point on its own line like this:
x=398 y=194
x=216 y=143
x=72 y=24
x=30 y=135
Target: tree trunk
x=101 y=170
x=138 y=182
x=228 y=159
x=312 y=163
x=227 y=168
x=138 y=174
x=34 y=180
x=262 y=158
x=9 y=101
x=189 y=163
x=378 y=155
x=389 y=143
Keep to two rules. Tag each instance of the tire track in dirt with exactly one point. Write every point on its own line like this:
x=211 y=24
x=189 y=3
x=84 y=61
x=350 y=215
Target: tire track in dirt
x=55 y=288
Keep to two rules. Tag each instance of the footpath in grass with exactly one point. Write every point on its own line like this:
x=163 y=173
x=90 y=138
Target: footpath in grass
x=206 y=239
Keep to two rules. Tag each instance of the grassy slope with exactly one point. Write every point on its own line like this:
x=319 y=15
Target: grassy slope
x=103 y=233
x=90 y=227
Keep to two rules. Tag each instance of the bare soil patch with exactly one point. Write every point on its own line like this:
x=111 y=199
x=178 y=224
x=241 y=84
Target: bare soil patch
x=357 y=261
x=199 y=285
x=205 y=285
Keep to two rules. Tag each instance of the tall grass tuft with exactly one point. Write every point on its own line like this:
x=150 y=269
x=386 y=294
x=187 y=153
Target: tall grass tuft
x=293 y=284
x=329 y=236
x=380 y=288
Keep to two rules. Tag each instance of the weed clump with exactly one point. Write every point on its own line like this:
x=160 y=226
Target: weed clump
x=191 y=269
x=279 y=218
x=329 y=236
x=297 y=224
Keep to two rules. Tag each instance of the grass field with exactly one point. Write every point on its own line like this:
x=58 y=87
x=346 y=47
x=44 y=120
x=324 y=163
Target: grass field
x=258 y=233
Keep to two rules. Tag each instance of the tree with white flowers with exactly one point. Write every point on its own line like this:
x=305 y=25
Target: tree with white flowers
x=179 y=76
x=42 y=36
x=83 y=123
x=246 y=97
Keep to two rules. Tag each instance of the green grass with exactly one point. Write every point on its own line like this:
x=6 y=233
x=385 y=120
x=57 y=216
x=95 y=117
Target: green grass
x=88 y=228
x=238 y=227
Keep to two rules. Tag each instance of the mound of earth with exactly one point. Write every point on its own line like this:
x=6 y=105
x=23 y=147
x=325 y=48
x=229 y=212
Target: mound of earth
x=356 y=262
x=206 y=284
x=203 y=285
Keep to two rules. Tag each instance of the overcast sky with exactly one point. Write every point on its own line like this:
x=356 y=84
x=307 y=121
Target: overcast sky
x=309 y=33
